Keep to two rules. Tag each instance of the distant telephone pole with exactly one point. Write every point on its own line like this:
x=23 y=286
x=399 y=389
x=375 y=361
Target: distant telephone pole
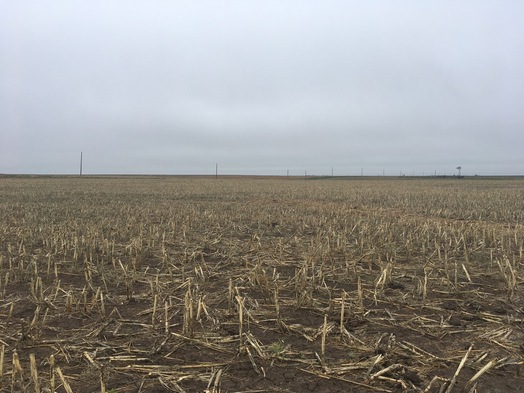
x=81 y=163
x=216 y=170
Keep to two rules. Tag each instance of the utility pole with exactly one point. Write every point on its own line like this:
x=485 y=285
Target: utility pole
x=216 y=170
x=81 y=153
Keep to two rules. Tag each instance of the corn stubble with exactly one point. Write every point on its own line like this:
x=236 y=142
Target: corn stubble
x=175 y=283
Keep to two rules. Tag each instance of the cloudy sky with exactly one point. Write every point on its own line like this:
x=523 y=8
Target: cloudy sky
x=262 y=87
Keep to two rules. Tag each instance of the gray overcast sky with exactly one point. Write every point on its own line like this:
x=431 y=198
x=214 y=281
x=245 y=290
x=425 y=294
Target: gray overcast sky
x=172 y=87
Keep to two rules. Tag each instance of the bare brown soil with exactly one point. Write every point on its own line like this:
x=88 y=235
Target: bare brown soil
x=261 y=285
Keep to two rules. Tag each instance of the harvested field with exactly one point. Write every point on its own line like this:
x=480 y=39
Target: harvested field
x=152 y=284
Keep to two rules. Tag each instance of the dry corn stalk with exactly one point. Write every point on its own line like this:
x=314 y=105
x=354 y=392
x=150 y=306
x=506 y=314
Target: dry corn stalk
x=52 y=372
x=481 y=372
x=459 y=369
x=64 y=380
x=240 y=302
x=34 y=372
x=2 y=355
x=17 y=373
x=323 y=342
x=342 y=311
x=360 y=294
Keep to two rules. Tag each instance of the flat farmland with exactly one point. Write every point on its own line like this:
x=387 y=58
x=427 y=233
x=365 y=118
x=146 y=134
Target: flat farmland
x=194 y=284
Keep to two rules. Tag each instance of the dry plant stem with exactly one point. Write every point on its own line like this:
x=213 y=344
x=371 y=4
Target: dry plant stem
x=323 y=344
x=385 y=370
x=102 y=382
x=153 y=314
x=467 y=273
x=166 y=317
x=277 y=304
x=64 y=381
x=188 y=311
x=252 y=359
x=377 y=360
x=509 y=275
x=11 y=309
x=396 y=381
x=216 y=384
x=459 y=369
x=2 y=355
x=52 y=372
x=17 y=371
x=34 y=321
x=342 y=310
x=360 y=294
x=230 y=293
x=34 y=372
x=482 y=371
x=435 y=379
x=425 y=286
x=240 y=302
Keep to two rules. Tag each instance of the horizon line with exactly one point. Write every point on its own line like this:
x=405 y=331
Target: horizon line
x=224 y=175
